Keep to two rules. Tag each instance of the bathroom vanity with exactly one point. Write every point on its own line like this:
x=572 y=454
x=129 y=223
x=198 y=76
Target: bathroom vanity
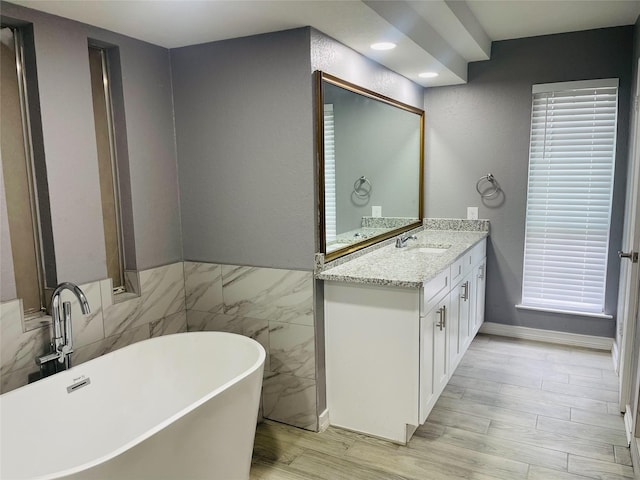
x=397 y=322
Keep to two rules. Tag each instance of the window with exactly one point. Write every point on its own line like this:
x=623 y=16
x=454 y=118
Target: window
x=571 y=167
x=19 y=174
x=107 y=166
x=329 y=174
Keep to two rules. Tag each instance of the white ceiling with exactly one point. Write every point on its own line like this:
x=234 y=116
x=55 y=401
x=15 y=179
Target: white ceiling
x=432 y=35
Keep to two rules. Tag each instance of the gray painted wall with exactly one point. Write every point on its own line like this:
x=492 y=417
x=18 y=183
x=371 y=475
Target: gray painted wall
x=244 y=126
x=246 y=158
x=148 y=102
x=484 y=127
x=70 y=151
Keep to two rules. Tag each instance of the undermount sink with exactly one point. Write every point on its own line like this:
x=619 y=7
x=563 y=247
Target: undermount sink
x=432 y=248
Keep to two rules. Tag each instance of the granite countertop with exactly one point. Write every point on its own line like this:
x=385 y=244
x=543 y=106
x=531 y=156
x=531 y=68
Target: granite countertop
x=406 y=267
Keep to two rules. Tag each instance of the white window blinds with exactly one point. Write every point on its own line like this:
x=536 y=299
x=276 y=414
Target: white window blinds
x=571 y=166
x=329 y=175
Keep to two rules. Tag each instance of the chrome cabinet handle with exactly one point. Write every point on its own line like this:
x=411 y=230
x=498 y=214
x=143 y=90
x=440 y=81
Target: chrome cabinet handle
x=481 y=271
x=465 y=292
x=442 y=314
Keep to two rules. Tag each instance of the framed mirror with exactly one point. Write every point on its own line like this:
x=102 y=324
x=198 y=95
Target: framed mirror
x=371 y=165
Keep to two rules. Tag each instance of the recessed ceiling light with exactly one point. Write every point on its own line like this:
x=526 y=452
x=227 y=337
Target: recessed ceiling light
x=383 y=46
x=428 y=75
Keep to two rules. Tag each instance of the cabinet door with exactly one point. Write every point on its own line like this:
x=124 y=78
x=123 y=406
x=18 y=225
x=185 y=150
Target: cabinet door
x=433 y=355
x=459 y=330
x=440 y=351
x=468 y=312
x=453 y=325
x=480 y=283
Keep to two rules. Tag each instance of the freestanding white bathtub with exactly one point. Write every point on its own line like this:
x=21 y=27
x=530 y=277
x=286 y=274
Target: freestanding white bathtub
x=180 y=406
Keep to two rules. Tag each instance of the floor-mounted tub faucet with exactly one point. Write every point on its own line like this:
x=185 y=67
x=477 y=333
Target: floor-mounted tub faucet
x=62 y=344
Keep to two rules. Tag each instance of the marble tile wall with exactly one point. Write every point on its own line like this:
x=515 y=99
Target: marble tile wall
x=158 y=310
x=273 y=306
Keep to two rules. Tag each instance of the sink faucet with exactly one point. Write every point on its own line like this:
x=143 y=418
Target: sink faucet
x=401 y=241
x=62 y=344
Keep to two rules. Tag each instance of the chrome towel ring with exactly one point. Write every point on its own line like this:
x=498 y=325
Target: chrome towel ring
x=492 y=190
x=360 y=188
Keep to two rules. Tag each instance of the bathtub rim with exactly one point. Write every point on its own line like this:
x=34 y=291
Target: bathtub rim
x=257 y=365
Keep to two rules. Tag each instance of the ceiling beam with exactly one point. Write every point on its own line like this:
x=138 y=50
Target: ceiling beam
x=478 y=39
x=402 y=16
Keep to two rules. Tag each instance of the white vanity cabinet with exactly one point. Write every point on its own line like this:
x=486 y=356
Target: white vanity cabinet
x=390 y=351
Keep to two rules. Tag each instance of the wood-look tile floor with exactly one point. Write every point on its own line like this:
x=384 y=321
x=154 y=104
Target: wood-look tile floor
x=512 y=410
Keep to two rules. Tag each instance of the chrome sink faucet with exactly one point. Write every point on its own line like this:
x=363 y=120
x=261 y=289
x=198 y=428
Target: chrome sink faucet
x=401 y=241
x=62 y=343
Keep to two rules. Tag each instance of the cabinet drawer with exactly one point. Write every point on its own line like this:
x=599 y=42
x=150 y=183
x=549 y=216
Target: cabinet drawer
x=458 y=268
x=433 y=288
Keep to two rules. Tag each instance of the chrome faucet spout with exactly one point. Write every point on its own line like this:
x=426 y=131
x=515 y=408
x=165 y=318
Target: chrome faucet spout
x=73 y=288
x=402 y=241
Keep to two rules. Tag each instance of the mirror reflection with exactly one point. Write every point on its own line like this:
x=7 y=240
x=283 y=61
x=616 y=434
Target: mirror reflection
x=372 y=165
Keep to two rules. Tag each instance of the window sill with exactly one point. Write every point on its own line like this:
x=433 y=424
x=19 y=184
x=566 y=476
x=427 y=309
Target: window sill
x=124 y=296
x=35 y=321
x=565 y=312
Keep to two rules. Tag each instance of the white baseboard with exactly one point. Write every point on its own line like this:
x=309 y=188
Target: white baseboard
x=323 y=420
x=635 y=457
x=549 y=336
x=628 y=424
x=615 y=356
